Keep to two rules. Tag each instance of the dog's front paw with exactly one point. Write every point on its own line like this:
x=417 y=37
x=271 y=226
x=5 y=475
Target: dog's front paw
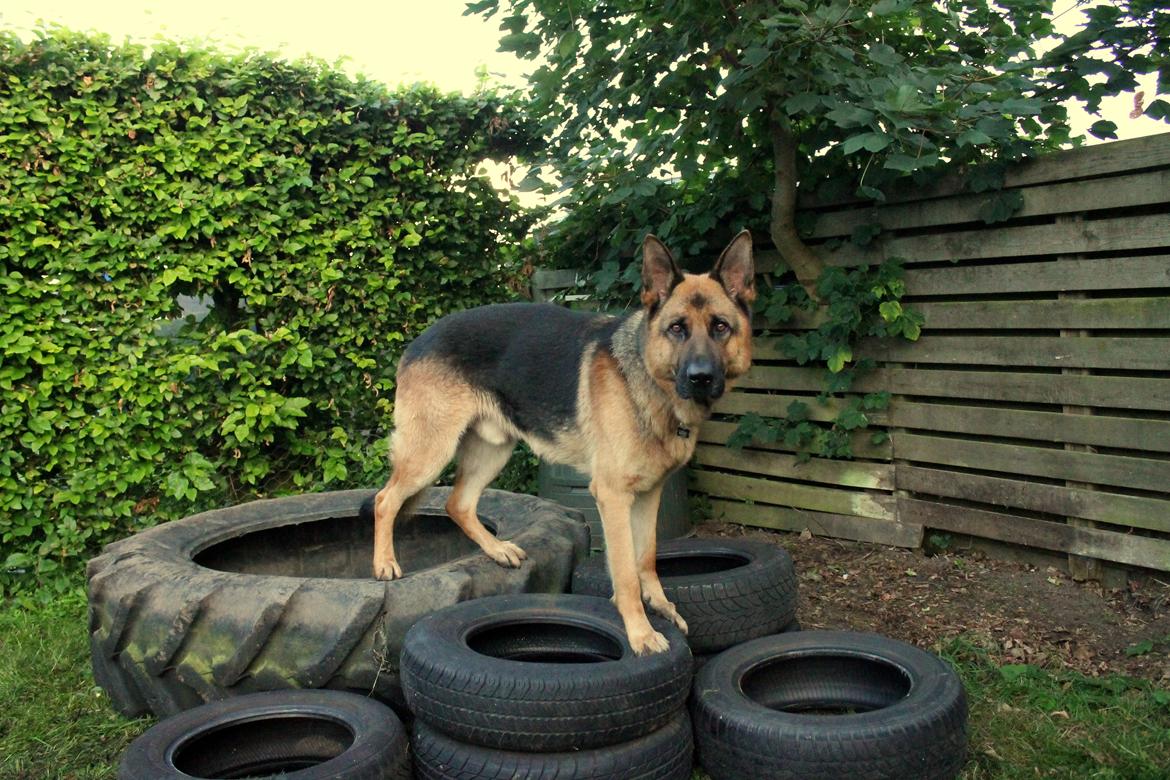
x=506 y=554
x=387 y=570
x=667 y=610
x=648 y=641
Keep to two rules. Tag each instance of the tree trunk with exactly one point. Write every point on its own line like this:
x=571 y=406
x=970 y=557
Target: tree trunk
x=802 y=260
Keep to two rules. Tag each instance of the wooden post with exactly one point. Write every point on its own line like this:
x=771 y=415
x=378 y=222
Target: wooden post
x=1080 y=567
x=547 y=282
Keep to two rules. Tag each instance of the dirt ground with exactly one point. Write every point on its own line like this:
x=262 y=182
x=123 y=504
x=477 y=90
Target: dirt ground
x=1019 y=612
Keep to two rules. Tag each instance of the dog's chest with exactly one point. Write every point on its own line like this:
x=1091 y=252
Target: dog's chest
x=659 y=457
x=681 y=447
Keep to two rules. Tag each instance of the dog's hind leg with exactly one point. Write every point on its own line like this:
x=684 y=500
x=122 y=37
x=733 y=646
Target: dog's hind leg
x=409 y=476
x=480 y=461
x=428 y=427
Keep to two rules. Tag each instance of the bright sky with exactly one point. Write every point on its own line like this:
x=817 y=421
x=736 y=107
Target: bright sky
x=393 y=41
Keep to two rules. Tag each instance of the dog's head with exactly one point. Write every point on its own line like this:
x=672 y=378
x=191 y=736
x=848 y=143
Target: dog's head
x=698 y=326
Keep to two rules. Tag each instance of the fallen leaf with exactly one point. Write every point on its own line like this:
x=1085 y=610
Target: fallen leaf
x=1138 y=104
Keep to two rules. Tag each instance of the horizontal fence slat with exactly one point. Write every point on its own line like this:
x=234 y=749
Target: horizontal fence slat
x=554 y=278
x=766 y=347
x=1102 y=391
x=1090 y=313
x=1101 y=273
x=860 y=442
x=1151 y=151
x=1146 y=312
x=1045 y=534
x=876 y=476
x=861 y=529
x=1101 y=431
x=776 y=405
x=1116 y=470
x=1086 y=162
x=801 y=320
x=1127 y=191
x=1139 y=354
x=804 y=379
x=1131 y=511
x=821 y=499
x=1007 y=386
x=1147 y=231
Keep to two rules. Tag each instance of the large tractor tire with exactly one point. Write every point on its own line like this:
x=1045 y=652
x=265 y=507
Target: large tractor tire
x=279 y=594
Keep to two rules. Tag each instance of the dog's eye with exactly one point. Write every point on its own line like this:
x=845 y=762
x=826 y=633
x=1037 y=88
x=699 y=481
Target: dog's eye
x=720 y=327
x=677 y=329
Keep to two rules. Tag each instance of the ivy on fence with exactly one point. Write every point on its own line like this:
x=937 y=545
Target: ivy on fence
x=861 y=302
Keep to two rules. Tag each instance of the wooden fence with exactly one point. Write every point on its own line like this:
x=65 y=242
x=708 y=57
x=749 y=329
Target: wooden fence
x=1034 y=409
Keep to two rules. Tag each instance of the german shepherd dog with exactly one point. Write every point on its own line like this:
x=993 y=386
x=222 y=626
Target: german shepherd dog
x=618 y=398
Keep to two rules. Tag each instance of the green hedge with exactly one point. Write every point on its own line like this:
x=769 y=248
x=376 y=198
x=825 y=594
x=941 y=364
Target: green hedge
x=327 y=219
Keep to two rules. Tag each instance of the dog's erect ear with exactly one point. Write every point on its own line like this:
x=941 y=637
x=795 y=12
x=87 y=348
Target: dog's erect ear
x=736 y=270
x=660 y=273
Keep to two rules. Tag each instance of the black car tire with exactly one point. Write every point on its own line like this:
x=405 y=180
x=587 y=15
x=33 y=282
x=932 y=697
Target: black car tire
x=278 y=594
x=700 y=660
x=824 y=705
x=728 y=590
x=665 y=754
x=540 y=673
x=297 y=735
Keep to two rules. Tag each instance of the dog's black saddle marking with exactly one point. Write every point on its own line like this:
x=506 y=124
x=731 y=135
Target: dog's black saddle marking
x=528 y=356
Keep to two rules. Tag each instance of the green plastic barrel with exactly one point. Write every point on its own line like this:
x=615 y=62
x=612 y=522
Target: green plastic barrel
x=570 y=488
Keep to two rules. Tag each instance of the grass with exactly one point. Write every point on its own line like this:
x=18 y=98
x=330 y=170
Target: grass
x=1025 y=722
x=57 y=723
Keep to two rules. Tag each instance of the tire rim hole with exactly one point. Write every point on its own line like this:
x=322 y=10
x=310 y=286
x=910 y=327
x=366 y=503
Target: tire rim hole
x=692 y=564
x=546 y=642
x=339 y=547
x=826 y=685
x=262 y=747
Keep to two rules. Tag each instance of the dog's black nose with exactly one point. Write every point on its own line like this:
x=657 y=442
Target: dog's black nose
x=700 y=374
x=704 y=380
x=700 y=379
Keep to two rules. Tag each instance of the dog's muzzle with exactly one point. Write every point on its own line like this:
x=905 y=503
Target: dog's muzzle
x=700 y=380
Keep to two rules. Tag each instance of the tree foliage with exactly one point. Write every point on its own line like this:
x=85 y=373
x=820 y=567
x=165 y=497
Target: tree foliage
x=1118 y=42
x=327 y=219
x=686 y=116
x=695 y=118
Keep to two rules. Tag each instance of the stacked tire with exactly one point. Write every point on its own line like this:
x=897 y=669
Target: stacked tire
x=520 y=686
x=824 y=705
x=771 y=702
x=536 y=686
x=299 y=735
x=727 y=590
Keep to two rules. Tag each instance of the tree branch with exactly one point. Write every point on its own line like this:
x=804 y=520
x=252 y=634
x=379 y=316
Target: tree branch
x=802 y=260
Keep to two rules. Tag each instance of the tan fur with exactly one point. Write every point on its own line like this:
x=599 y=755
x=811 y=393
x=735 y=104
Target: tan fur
x=628 y=435
x=661 y=354
x=635 y=431
x=431 y=427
